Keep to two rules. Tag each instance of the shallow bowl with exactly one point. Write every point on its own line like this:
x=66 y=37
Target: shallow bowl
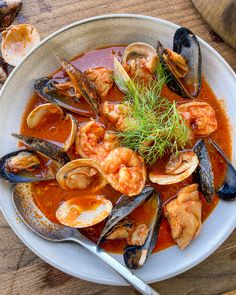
x=70 y=41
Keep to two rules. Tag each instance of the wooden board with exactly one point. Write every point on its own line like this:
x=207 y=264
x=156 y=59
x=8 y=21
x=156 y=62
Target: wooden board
x=221 y=16
x=21 y=271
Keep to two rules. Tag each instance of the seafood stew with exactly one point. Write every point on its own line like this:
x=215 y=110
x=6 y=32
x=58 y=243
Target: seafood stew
x=118 y=153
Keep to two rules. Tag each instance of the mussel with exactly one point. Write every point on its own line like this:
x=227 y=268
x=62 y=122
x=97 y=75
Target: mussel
x=124 y=207
x=67 y=92
x=183 y=64
x=204 y=175
x=144 y=236
x=135 y=256
x=227 y=191
x=19 y=166
x=44 y=147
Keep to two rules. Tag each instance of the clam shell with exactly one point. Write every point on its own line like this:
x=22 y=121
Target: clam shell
x=17 y=41
x=98 y=181
x=84 y=211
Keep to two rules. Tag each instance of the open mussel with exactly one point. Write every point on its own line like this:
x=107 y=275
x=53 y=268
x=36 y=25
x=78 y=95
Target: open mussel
x=124 y=207
x=135 y=256
x=67 y=92
x=227 y=191
x=44 y=147
x=22 y=166
x=204 y=175
x=183 y=64
x=141 y=238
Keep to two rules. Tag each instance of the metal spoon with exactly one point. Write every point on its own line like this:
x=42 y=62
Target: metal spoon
x=27 y=210
x=227 y=191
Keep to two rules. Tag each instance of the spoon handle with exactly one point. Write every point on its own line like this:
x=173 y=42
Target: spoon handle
x=126 y=274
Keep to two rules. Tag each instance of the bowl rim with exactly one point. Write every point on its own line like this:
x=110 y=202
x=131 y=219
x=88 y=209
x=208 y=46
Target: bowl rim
x=86 y=277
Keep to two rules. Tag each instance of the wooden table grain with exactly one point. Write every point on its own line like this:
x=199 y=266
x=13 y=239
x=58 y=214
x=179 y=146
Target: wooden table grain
x=21 y=271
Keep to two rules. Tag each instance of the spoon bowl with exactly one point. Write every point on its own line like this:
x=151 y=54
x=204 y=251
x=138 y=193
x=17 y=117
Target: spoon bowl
x=22 y=198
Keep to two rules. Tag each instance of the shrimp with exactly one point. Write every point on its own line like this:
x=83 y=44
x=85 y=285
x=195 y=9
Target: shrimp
x=94 y=142
x=199 y=116
x=125 y=171
x=118 y=115
x=102 y=78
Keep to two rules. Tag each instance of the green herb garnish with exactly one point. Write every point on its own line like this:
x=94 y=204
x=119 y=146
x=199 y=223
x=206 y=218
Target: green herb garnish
x=160 y=128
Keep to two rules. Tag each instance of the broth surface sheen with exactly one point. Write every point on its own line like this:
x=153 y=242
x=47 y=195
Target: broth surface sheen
x=48 y=195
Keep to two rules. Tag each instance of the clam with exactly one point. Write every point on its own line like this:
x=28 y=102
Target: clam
x=44 y=147
x=84 y=211
x=227 y=191
x=73 y=131
x=204 y=175
x=140 y=60
x=17 y=41
x=39 y=114
x=22 y=166
x=8 y=12
x=67 y=92
x=183 y=64
x=179 y=167
x=81 y=174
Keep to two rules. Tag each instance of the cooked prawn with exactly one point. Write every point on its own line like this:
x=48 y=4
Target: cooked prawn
x=94 y=142
x=200 y=117
x=125 y=171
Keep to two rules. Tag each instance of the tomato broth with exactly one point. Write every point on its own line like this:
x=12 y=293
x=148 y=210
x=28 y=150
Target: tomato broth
x=48 y=195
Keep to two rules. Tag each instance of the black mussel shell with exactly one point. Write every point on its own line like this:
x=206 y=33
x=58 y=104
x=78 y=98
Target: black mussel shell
x=227 y=191
x=45 y=87
x=44 y=147
x=186 y=44
x=136 y=256
x=22 y=176
x=124 y=207
x=203 y=174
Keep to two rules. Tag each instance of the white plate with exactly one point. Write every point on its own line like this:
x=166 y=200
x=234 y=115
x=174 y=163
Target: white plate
x=68 y=42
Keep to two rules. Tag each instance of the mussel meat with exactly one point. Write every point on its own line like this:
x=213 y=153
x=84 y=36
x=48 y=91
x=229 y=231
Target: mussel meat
x=179 y=167
x=84 y=211
x=183 y=64
x=204 y=175
x=44 y=147
x=81 y=174
x=19 y=166
x=227 y=191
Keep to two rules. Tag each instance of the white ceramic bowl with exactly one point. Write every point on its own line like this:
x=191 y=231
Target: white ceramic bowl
x=86 y=35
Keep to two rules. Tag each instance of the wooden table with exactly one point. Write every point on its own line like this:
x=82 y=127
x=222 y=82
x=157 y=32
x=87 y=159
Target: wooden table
x=21 y=271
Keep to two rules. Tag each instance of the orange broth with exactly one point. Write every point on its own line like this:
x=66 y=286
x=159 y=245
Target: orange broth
x=48 y=195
